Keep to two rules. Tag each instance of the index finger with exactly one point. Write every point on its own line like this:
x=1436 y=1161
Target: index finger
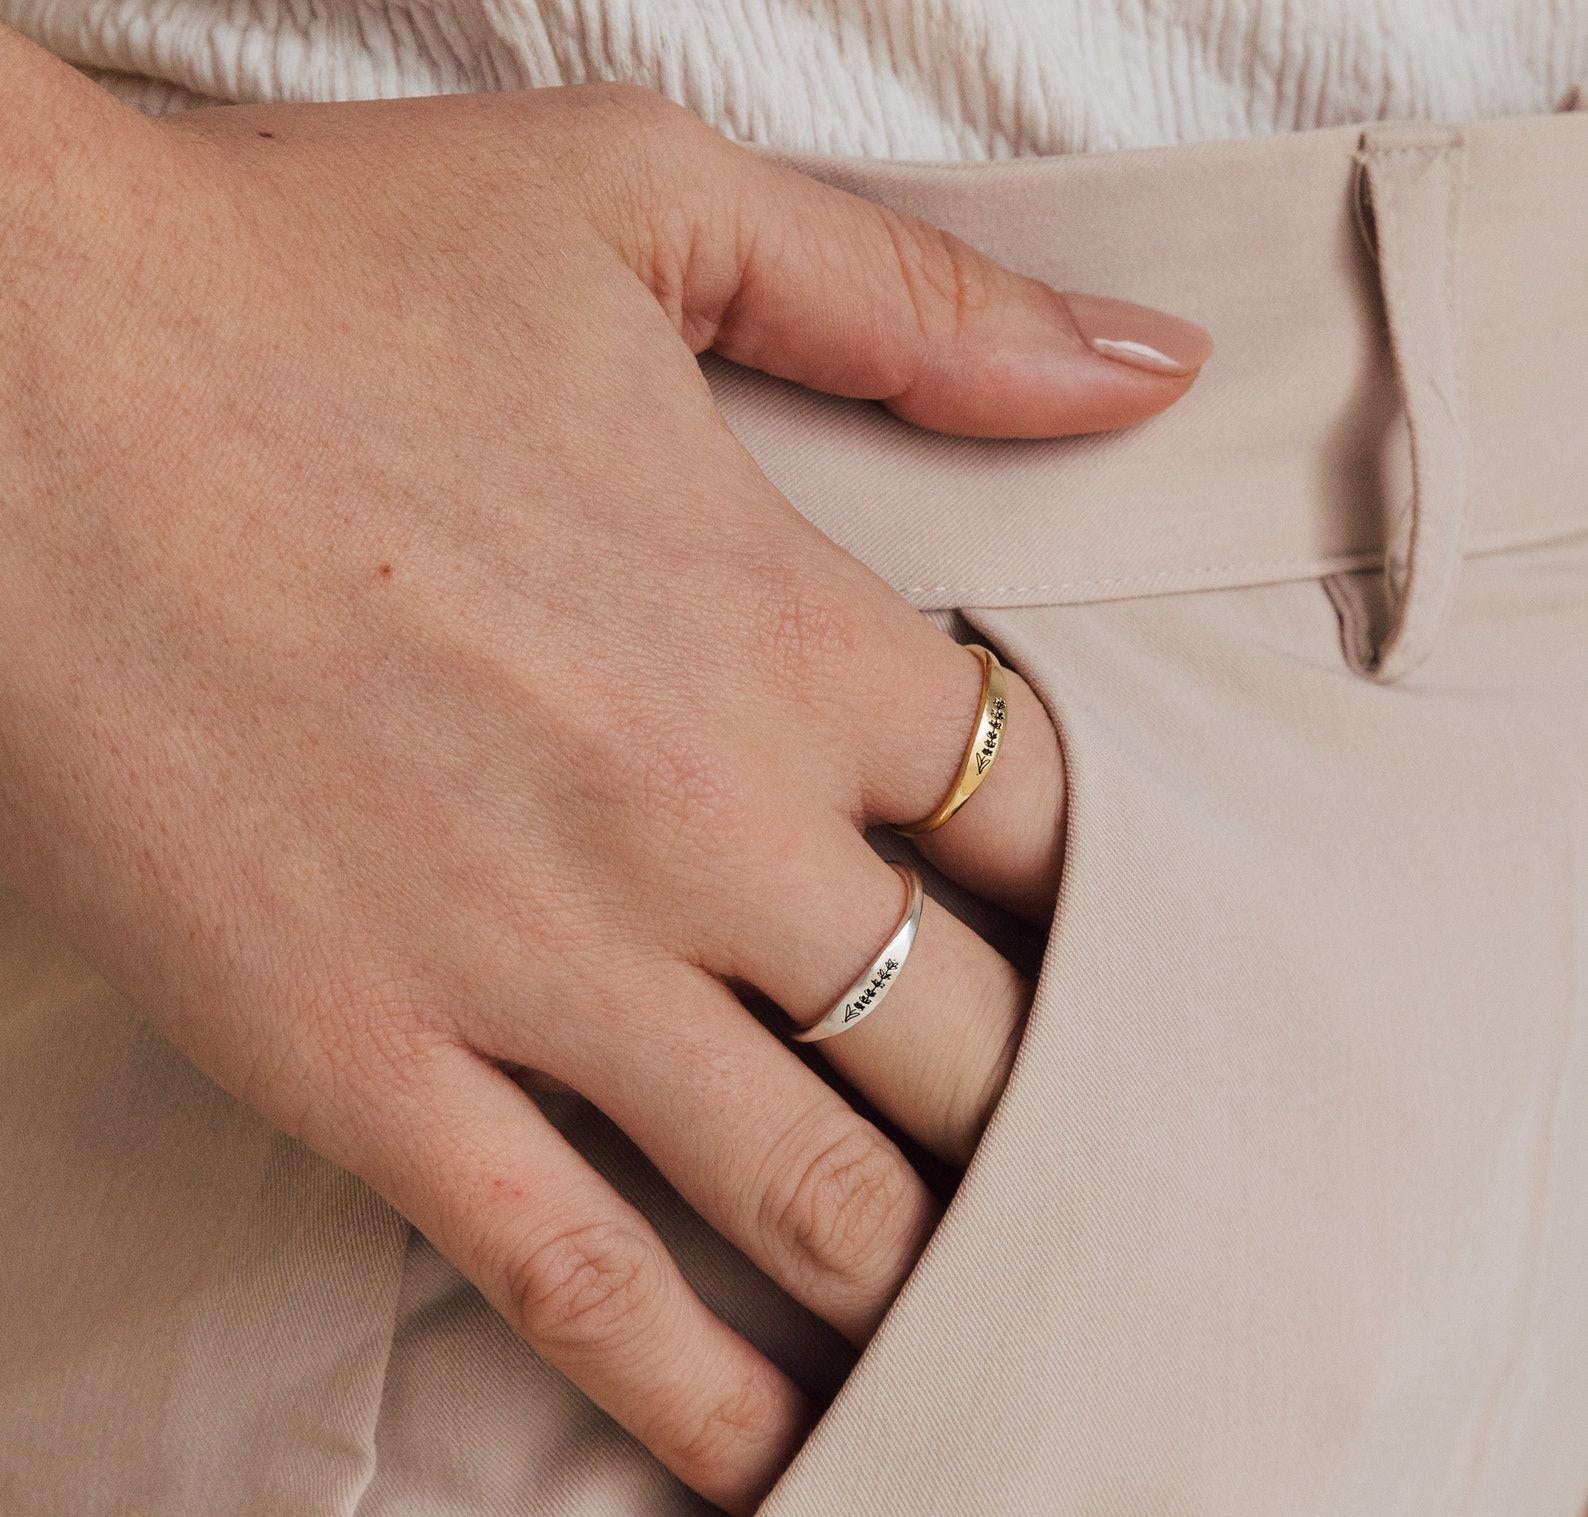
x=581 y=1276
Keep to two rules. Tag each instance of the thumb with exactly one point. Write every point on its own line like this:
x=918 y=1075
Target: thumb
x=774 y=270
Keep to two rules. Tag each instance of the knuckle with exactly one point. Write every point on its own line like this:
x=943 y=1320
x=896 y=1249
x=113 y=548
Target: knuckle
x=633 y=115
x=712 y=1446
x=391 y=1031
x=589 y=1288
x=947 y=280
x=639 y=105
x=805 y=631
x=375 y=1032
x=661 y=168
x=341 y=1054
x=685 y=783
x=650 y=140
x=847 y=1212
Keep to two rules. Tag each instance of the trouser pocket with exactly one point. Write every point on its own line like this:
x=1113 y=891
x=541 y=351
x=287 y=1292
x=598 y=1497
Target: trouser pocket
x=1283 y=1202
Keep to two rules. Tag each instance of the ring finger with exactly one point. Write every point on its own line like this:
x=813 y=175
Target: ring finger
x=934 y=1058
x=1005 y=843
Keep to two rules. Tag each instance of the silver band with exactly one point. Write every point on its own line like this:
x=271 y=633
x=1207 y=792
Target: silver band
x=880 y=975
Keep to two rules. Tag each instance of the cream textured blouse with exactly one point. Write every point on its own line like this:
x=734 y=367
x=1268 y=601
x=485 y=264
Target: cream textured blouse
x=933 y=79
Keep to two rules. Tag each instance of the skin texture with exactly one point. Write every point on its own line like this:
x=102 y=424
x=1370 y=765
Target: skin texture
x=409 y=679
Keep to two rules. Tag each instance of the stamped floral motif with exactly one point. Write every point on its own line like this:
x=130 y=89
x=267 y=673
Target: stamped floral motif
x=874 y=988
x=867 y=991
x=993 y=736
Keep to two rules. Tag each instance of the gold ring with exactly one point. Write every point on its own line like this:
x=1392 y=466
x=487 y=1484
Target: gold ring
x=985 y=740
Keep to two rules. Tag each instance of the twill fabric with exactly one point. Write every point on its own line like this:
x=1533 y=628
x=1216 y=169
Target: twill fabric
x=1285 y=1206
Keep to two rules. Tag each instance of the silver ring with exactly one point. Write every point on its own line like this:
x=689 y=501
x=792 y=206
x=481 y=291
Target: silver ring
x=879 y=976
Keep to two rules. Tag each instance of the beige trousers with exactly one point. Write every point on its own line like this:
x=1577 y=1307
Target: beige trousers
x=1285 y=1209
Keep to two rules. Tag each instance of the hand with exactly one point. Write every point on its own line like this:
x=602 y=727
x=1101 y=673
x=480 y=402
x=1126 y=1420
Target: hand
x=408 y=678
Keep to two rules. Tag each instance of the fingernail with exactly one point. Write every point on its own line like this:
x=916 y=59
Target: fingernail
x=1141 y=336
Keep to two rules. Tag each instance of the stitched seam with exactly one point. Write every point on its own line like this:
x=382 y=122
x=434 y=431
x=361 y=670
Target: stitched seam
x=1118 y=579
x=1313 y=566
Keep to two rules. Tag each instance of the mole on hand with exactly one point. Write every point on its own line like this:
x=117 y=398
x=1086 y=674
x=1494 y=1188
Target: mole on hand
x=384 y=570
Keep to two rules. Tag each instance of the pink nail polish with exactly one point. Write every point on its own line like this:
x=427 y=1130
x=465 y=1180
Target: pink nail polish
x=1141 y=336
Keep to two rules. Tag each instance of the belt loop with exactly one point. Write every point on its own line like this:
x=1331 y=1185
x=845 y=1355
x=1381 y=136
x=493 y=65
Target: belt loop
x=1410 y=177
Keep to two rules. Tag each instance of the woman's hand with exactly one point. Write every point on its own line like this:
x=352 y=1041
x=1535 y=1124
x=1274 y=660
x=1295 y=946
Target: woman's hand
x=407 y=678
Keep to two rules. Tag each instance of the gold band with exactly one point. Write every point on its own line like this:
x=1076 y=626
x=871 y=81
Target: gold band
x=980 y=752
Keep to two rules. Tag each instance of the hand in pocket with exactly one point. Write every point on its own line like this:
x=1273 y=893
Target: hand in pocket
x=407 y=676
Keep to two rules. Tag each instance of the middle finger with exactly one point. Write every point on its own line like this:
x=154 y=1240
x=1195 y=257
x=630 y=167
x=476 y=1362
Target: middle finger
x=768 y=1153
